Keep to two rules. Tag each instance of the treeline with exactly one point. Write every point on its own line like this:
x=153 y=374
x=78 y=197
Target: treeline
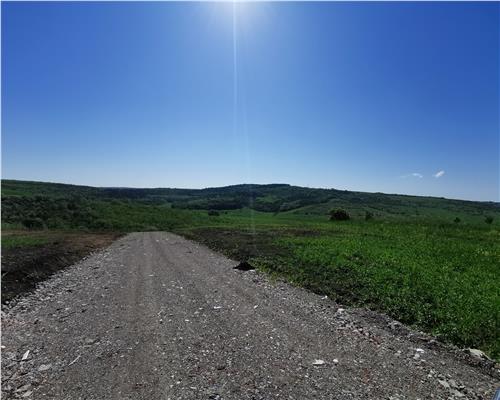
x=41 y=212
x=89 y=214
x=266 y=198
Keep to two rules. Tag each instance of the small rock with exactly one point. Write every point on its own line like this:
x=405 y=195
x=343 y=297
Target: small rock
x=444 y=383
x=244 y=266
x=74 y=361
x=456 y=393
x=23 y=388
x=452 y=383
x=25 y=355
x=318 y=362
x=478 y=353
x=44 y=367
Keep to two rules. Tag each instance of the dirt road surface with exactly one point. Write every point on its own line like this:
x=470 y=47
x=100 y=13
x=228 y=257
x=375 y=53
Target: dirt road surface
x=155 y=316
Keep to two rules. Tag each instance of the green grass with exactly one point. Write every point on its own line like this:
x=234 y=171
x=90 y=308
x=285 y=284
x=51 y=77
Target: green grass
x=441 y=278
x=13 y=241
x=411 y=261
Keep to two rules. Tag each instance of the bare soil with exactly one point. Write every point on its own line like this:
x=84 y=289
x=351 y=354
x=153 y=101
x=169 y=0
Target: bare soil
x=25 y=266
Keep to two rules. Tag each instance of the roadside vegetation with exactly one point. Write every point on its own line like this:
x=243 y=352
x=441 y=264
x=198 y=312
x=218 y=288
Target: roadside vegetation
x=23 y=240
x=432 y=263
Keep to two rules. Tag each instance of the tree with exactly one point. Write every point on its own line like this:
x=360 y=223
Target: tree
x=339 y=215
x=488 y=219
x=368 y=216
x=456 y=220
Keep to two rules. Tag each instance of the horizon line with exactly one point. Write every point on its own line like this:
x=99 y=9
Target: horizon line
x=248 y=184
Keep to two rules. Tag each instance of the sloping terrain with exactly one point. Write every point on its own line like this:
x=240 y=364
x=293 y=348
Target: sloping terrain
x=19 y=196
x=156 y=317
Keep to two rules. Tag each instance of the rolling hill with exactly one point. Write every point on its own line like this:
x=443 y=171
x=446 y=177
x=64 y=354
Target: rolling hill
x=25 y=200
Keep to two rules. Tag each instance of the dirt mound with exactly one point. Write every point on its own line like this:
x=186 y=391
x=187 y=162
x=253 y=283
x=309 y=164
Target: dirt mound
x=244 y=266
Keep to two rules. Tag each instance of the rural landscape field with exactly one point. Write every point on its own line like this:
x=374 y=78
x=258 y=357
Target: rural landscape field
x=428 y=262
x=250 y=200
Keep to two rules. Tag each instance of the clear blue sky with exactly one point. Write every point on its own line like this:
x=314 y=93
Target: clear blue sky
x=361 y=96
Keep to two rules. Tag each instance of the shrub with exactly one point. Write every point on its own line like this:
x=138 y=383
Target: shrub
x=339 y=215
x=56 y=223
x=488 y=219
x=368 y=216
x=33 y=223
x=213 y=213
x=150 y=228
x=102 y=224
x=456 y=220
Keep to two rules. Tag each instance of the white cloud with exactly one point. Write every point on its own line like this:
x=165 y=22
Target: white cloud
x=413 y=174
x=438 y=174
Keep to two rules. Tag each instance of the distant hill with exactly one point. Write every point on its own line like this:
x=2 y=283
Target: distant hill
x=275 y=198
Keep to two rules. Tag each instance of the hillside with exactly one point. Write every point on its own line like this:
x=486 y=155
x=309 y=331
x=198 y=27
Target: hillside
x=53 y=204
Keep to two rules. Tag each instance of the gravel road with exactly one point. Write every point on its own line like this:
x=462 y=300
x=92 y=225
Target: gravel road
x=155 y=316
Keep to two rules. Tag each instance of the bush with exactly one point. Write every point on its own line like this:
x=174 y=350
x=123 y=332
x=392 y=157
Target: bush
x=488 y=219
x=34 y=223
x=368 y=216
x=102 y=224
x=56 y=223
x=213 y=213
x=150 y=228
x=456 y=220
x=339 y=215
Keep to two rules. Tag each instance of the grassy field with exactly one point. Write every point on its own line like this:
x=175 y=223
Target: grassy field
x=442 y=278
x=411 y=260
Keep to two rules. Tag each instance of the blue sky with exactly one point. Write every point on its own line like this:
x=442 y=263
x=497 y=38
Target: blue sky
x=360 y=96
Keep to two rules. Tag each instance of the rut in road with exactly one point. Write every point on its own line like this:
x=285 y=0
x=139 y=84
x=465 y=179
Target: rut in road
x=156 y=316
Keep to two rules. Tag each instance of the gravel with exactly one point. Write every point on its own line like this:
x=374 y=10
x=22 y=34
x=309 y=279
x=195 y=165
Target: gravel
x=155 y=316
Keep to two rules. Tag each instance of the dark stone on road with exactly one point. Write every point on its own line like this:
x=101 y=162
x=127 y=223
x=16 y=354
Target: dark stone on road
x=244 y=266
